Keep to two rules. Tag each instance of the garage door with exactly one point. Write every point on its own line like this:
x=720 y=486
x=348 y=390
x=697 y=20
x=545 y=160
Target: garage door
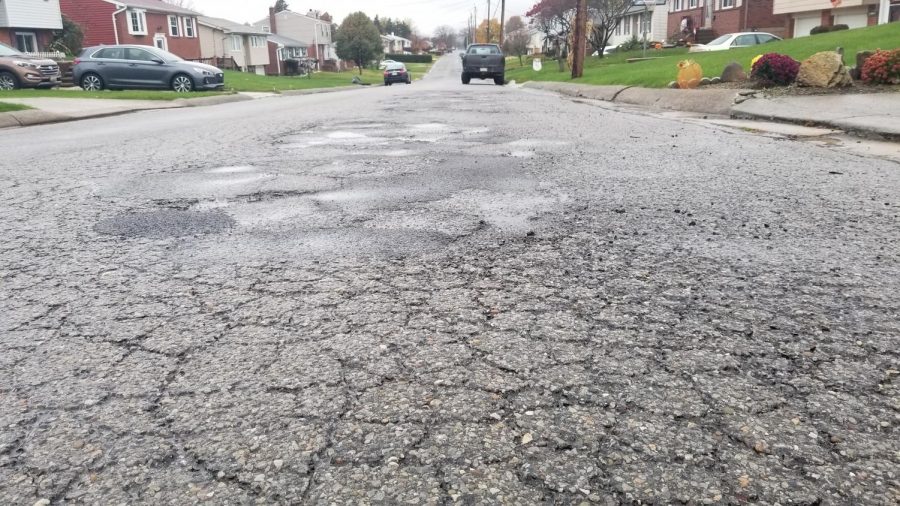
x=802 y=25
x=853 y=19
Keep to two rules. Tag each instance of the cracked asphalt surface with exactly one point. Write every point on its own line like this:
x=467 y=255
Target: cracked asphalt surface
x=438 y=294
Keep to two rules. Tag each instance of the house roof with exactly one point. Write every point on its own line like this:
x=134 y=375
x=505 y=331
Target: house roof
x=286 y=12
x=395 y=37
x=229 y=26
x=286 y=41
x=153 y=5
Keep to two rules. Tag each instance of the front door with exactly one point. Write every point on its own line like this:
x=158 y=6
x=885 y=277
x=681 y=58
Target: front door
x=708 y=13
x=160 y=41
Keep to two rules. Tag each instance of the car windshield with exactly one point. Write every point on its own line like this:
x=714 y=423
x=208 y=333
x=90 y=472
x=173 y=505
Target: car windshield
x=484 y=50
x=8 y=51
x=721 y=40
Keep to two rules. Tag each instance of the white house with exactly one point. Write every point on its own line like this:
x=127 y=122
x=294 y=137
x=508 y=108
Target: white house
x=220 y=38
x=28 y=25
x=394 y=44
x=648 y=21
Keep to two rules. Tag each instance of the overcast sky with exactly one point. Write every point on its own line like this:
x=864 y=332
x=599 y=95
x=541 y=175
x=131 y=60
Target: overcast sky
x=426 y=14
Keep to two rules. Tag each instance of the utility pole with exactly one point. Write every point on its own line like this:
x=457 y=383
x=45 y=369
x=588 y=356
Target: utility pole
x=502 y=19
x=488 y=41
x=580 y=39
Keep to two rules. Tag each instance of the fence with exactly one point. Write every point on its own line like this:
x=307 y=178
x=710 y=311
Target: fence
x=224 y=63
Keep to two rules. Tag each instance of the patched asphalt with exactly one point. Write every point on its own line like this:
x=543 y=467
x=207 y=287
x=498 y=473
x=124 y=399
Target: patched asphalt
x=442 y=294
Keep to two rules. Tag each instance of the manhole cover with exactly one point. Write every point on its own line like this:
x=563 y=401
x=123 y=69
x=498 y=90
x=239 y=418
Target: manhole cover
x=165 y=223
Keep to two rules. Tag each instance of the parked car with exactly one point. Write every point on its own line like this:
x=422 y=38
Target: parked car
x=396 y=73
x=22 y=71
x=131 y=66
x=732 y=40
x=384 y=63
x=484 y=61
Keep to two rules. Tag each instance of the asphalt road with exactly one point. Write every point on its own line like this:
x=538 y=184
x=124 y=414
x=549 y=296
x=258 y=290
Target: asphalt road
x=440 y=293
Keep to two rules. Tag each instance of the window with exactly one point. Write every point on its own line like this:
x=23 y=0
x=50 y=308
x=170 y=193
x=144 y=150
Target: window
x=626 y=22
x=744 y=40
x=112 y=53
x=26 y=42
x=763 y=38
x=138 y=54
x=677 y=5
x=161 y=42
x=174 y=26
x=137 y=22
x=189 y=27
x=727 y=4
x=237 y=43
x=619 y=28
x=692 y=3
x=267 y=29
x=257 y=41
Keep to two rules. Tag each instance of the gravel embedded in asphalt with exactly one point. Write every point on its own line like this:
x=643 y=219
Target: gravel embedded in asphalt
x=444 y=294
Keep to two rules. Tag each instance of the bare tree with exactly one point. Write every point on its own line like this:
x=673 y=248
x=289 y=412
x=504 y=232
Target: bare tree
x=606 y=15
x=444 y=37
x=517 y=37
x=281 y=5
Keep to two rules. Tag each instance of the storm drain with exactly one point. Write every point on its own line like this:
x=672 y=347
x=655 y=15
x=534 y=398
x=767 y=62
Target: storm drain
x=165 y=223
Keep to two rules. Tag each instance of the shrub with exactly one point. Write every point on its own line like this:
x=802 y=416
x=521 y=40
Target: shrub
x=883 y=67
x=774 y=68
x=631 y=44
x=825 y=29
x=410 y=58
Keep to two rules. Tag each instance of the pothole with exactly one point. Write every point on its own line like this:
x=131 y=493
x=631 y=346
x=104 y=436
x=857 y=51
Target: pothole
x=165 y=223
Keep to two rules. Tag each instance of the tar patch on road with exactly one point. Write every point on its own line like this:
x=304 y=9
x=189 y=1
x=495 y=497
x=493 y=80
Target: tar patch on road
x=165 y=223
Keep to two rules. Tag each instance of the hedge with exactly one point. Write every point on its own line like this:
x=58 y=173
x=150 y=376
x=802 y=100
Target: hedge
x=410 y=58
x=825 y=29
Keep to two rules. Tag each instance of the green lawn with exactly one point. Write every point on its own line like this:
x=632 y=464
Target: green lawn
x=243 y=81
x=7 y=107
x=658 y=73
x=114 y=95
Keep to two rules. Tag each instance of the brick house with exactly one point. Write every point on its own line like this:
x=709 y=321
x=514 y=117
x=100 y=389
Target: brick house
x=27 y=25
x=804 y=15
x=144 y=22
x=711 y=18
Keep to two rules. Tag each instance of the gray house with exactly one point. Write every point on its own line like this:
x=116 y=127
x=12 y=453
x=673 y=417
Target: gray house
x=312 y=27
x=220 y=38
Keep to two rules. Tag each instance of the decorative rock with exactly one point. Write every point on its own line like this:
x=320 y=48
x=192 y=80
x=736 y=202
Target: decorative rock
x=715 y=80
x=733 y=73
x=673 y=85
x=824 y=70
x=705 y=81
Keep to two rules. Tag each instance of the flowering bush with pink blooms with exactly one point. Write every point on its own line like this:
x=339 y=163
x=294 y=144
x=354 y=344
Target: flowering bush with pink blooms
x=883 y=67
x=775 y=69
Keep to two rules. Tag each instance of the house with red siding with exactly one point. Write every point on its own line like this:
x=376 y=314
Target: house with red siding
x=703 y=20
x=144 y=22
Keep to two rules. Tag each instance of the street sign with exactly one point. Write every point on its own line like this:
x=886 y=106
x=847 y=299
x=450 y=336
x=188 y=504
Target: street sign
x=537 y=65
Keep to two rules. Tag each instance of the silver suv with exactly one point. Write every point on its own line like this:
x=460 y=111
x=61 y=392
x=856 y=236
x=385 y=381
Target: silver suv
x=130 y=66
x=18 y=70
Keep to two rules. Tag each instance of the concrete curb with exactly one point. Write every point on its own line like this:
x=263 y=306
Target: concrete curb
x=718 y=102
x=886 y=126
x=30 y=117
x=216 y=100
x=316 y=91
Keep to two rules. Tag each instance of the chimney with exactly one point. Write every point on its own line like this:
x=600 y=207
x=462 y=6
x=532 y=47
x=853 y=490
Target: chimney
x=272 y=21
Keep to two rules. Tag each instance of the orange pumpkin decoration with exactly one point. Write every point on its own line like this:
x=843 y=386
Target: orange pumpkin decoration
x=689 y=74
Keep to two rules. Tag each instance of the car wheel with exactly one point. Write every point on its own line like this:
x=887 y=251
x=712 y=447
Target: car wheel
x=466 y=79
x=8 y=81
x=182 y=83
x=91 y=82
x=499 y=81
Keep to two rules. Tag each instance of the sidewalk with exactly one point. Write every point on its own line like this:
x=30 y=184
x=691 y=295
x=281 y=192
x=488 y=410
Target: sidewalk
x=55 y=110
x=869 y=113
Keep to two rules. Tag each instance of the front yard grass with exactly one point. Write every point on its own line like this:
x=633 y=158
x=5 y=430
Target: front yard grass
x=658 y=73
x=246 y=81
x=7 y=107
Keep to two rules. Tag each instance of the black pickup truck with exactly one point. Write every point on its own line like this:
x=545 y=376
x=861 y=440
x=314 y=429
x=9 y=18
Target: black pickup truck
x=484 y=61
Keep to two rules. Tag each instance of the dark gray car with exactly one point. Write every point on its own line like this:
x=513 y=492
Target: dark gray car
x=127 y=66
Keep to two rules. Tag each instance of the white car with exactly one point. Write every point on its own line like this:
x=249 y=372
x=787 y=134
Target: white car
x=384 y=63
x=733 y=40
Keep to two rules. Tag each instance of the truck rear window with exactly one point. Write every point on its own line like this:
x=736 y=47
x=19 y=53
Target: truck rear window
x=483 y=50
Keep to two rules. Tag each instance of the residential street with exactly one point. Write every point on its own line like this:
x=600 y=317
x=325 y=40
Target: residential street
x=444 y=294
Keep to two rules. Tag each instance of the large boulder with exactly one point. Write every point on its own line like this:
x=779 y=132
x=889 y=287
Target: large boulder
x=733 y=73
x=824 y=70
